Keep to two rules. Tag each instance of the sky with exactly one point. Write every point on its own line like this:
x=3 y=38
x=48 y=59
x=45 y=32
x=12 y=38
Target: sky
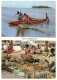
x=28 y=4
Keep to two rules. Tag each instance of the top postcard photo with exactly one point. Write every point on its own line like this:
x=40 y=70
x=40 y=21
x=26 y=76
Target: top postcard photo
x=28 y=19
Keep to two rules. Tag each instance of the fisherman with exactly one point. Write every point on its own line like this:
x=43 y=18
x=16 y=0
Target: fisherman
x=18 y=14
x=24 y=17
x=47 y=17
x=27 y=18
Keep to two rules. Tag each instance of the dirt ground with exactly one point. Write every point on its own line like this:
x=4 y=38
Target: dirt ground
x=10 y=75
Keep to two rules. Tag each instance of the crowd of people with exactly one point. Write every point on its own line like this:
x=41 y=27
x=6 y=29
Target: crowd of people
x=33 y=50
x=25 y=17
x=30 y=51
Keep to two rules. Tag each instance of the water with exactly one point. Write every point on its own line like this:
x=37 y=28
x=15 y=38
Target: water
x=39 y=30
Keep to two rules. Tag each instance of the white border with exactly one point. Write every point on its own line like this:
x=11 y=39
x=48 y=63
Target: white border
x=12 y=38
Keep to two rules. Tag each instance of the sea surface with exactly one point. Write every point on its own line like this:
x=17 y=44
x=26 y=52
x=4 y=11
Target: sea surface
x=38 y=30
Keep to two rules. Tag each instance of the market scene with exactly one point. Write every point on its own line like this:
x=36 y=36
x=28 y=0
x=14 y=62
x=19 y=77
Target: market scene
x=28 y=59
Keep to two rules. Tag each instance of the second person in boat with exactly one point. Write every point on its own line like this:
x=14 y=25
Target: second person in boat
x=26 y=18
x=20 y=16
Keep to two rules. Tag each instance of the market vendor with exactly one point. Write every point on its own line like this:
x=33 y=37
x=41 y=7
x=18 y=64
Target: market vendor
x=11 y=43
x=52 y=50
x=28 y=52
x=8 y=42
x=27 y=49
x=9 y=50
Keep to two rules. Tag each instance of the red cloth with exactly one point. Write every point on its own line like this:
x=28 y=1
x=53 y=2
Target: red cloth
x=39 y=47
x=10 y=50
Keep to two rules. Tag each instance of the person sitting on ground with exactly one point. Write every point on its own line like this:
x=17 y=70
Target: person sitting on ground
x=27 y=49
x=33 y=50
x=8 y=42
x=53 y=46
x=9 y=50
x=53 y=49
x=39 y=47
x=11 y=43
x=47 y=17
x=27 y=53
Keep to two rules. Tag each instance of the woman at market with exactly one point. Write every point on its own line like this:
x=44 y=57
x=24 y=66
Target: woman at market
x=53 y=50
x=8 y=42
x=33 y=50
x=39 y=47
x=28 y=53
x=11 y=43
x=9 y=50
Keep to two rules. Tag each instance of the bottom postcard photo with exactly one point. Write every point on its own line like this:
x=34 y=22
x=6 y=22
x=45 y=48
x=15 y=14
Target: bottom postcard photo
x=28 y=59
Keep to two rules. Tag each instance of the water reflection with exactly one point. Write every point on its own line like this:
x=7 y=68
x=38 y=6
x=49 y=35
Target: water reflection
x=20 y=30
x=37 y=27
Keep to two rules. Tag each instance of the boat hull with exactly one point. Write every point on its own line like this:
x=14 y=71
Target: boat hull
x=27 y=22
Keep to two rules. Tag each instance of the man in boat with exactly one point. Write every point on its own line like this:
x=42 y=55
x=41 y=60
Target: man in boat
x=26 y=17
x=47 y=17
x=20 y=16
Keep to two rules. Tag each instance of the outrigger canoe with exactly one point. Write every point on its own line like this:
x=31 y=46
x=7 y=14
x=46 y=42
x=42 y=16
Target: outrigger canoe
x=27 y=22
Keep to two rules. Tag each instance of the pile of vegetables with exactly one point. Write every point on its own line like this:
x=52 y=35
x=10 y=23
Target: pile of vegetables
x=52 y=67
x=27 y=70
x=39 y=75
x=31 y=60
